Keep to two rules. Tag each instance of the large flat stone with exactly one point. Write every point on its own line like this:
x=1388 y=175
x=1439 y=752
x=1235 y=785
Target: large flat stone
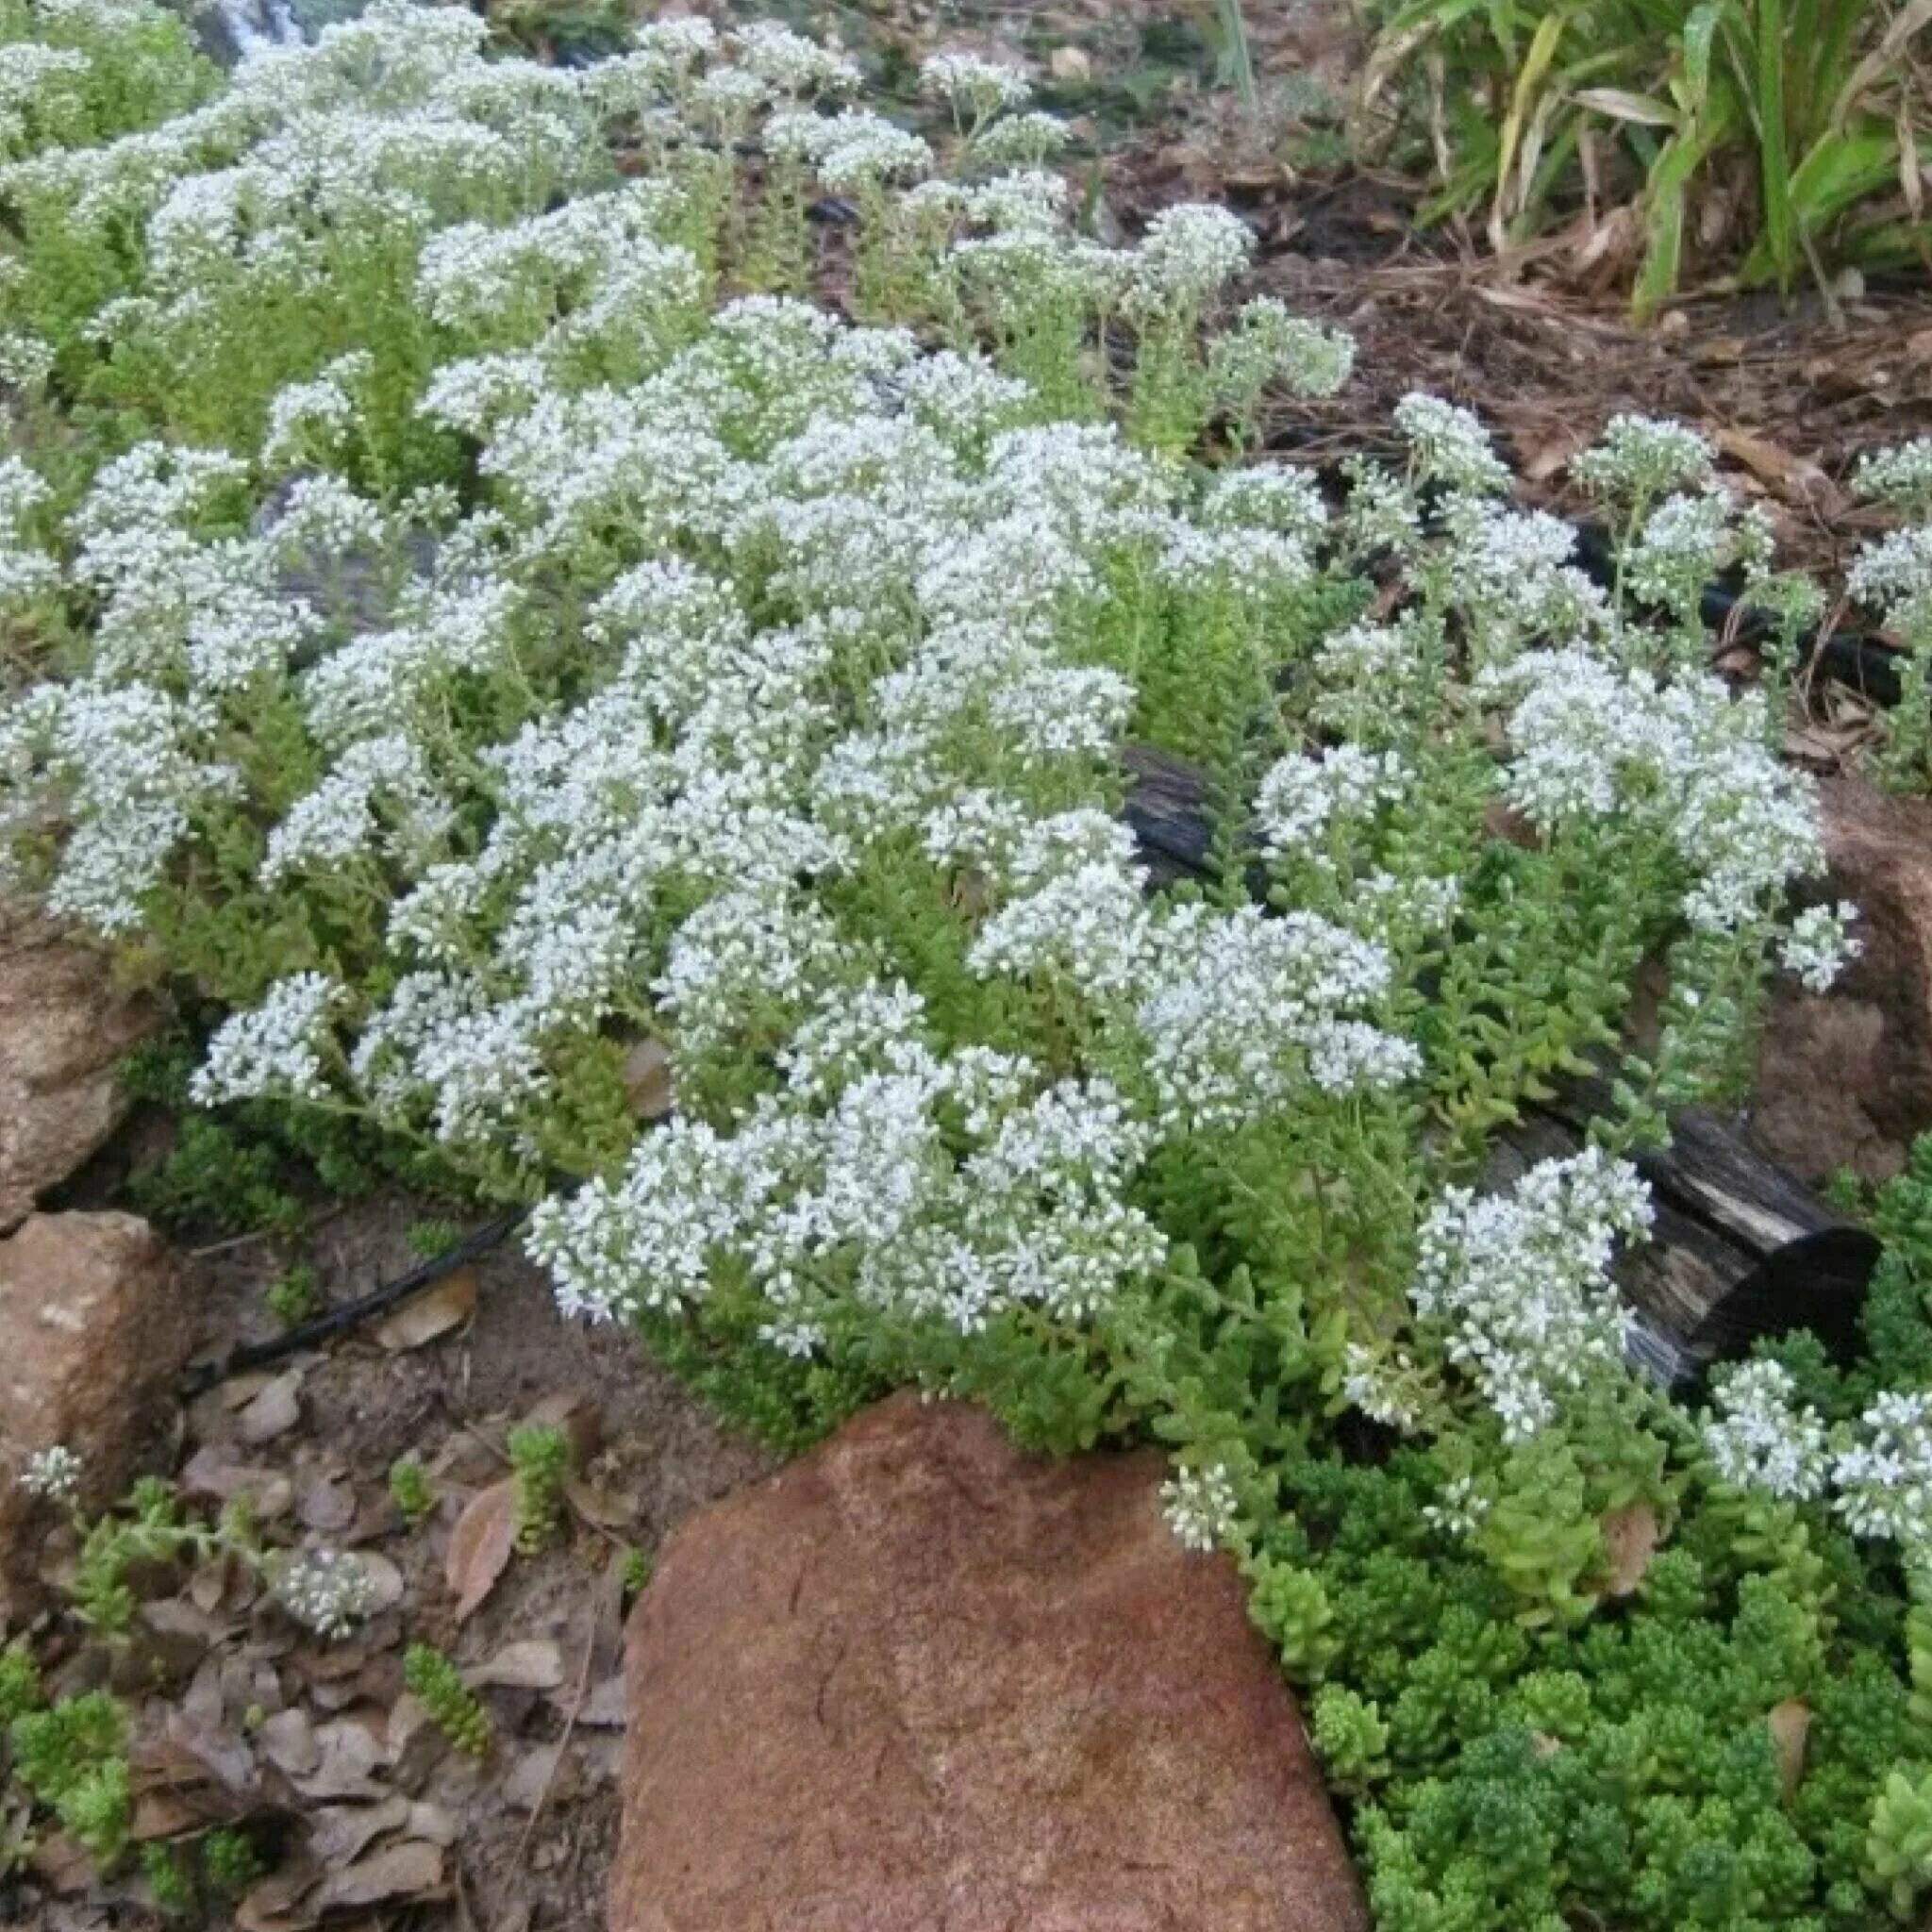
x=94 y=1328
x=917 y=1682
x=63 y=1027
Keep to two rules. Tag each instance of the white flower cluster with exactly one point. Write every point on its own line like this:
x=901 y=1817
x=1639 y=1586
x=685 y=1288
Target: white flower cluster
x=1201 y=1506
x=1900 y=478
x=844 y=1190
x=326 y=1591
x=1820 y=943
x=53 y=1475
x=1519 y=1282
x=1685 y=762
x=1883 y=1476
x=1759 y=1439
x=1876 y=1471
x=1638 y=458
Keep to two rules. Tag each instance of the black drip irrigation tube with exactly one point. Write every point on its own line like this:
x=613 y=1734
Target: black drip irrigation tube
x=351 y=1314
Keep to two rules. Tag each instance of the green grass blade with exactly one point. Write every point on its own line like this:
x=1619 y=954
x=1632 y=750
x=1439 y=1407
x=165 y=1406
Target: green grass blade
x=1773 y=157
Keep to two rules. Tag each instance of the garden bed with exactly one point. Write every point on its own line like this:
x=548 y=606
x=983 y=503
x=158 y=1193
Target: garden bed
x=575 y=625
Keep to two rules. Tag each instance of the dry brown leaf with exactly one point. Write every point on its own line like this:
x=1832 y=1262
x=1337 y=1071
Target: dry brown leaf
x=607 y=1508
x=480 y=1545
x=446 y=1305
x=339 y=1834
x=288 y=1742
x=162 y=1814
x=386 y=1586
x=1551 y=454
x=580 y=1419
x=647 y=1079
x=532 y=1663
x=348 y=1753
x=1795 y=478
x=267 y=1492
x=1790 y=1724
x=1631 y=1533
x=276 y=1904
x=604 y=1708
x=60 y=1864
x=272 y=1410
x=411 y=1869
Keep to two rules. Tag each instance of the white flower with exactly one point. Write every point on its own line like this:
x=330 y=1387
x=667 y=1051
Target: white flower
x=1189 y=253
x=53 y=1474
x=1519 y=1283
x=973 y=86
x=1900 y=477
x=1460 y=1509
x=1761 y=1438
x=326 y=1591
x=1449 y=446
x=1884 y=1477
x=1641 y=458
x=278 y=1048
x=1820 y=943
x=1200 y=1506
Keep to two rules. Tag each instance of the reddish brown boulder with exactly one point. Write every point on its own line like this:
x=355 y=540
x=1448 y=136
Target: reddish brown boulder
x=1844 y=1079
x=94 y=1328
x=63 y=1025
x=919 y=1680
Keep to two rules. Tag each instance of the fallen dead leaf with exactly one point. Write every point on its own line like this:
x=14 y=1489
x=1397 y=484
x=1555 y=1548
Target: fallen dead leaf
x=349 y=1754
x=607 y=1508
x=412 y=1870
x=532 y=1663
x=326 y=1506
x=276 y=1904
x=208 y=1473
x=1790 y=1724
x=532 y=1778
x=162 y=1814
x=603 y=1709
x=480 y=1545
x=1795 y=478
x=580 y=1419
x=445 y=1304
x=62 y=1865
x=273 y=1411
x=1631 y=1533
x=647 y=1079
x=1070 y=64
x=288 y=1742
x=226 y=1757
x=431 y=1822
x=339 y=1834
x=386 y=1584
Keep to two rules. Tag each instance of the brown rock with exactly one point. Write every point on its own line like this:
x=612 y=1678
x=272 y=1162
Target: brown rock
x=917 y=1679
x=94 y=1328
x=1844 y=1079
x=63 y=1025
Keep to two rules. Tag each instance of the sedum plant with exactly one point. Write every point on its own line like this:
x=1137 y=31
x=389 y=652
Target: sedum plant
x=456 y=1710
x=476 y=612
